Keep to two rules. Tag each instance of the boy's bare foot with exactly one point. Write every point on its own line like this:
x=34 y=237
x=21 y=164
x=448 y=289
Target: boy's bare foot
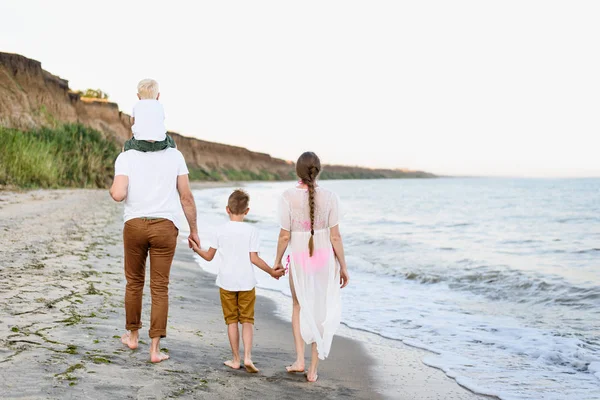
x=250 y=366
x=158 y=356
x=128 y=341
x=232 y=364
x=295 y=367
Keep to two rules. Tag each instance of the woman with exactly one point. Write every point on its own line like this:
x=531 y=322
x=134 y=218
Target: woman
x=309 y=217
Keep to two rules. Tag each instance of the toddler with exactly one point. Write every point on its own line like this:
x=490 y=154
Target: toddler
x=148 y=119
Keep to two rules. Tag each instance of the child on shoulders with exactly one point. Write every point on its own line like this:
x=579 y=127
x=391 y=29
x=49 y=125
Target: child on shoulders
x=148 y=119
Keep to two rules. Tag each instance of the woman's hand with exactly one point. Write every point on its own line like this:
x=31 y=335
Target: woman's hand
x=344 y=278
x=279 y=265
x=278 y=272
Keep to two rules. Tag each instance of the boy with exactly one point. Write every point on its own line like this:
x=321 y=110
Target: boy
x=148 y=121
x=238 y=244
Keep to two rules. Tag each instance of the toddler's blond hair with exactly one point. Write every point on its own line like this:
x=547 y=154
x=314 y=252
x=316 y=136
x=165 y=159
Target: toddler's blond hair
x=148 y=89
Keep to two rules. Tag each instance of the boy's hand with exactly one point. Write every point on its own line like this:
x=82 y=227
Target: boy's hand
x=278 y=272
x=194 y=238
x=193 y=245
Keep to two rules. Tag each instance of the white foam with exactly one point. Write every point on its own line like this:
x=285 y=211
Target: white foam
x=594 y=368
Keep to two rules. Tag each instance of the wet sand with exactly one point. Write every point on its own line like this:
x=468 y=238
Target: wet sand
x=61 y=317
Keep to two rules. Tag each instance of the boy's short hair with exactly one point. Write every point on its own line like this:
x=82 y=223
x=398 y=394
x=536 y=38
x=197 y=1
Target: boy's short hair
x=148 y=89
x=238 y=202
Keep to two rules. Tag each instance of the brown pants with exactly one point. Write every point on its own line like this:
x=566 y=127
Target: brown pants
x=159 y=238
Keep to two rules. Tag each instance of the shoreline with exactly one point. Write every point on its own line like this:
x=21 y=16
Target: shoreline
x=61 y=296
x=393 y=384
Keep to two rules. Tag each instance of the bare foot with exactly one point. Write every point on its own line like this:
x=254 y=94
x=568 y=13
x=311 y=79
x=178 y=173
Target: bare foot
x=232 y=364
x=312 y=377
x=158 y=356
x=295 y=367
x=250 y=366
x=128 y=341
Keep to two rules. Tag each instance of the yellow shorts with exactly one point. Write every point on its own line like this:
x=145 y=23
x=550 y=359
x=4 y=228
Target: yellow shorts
x=238 y=306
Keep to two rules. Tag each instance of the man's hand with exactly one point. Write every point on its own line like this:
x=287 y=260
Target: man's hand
x=194 y=239
x=193 y=245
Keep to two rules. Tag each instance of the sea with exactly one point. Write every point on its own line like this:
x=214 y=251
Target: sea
x=499 y=279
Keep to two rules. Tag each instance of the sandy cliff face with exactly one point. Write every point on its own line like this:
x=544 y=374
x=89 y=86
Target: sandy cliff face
x=31 y=97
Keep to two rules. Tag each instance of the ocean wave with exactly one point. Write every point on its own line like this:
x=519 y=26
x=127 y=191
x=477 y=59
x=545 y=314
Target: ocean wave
x=522 y=241
x=587 y=251
x=386 y=221
x=459 y=225
x=571 y=220
x=497 y=284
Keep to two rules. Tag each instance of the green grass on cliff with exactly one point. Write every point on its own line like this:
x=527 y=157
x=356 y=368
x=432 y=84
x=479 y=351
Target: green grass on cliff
x=73 y=155
x=66 y=156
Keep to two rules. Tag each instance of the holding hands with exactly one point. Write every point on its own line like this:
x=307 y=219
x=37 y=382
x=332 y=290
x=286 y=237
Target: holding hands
x=208 y=255
x=194 y=239
x=277 y=272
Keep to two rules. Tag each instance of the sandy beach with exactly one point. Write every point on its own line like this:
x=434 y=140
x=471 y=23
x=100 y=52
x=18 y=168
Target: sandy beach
x=61 y=316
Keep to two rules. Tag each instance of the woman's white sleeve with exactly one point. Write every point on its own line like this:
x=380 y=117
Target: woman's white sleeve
x=285 y=218
x=335 y=212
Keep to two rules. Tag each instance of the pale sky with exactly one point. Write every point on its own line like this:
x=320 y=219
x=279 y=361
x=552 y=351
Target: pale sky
x=476 y=87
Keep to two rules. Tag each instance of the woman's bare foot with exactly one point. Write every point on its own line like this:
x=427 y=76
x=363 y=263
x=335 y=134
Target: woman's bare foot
x=250 y=366
x=129 y=341
x=295 y=367
x=233 y=364
x=312 y=377
x=158 y=356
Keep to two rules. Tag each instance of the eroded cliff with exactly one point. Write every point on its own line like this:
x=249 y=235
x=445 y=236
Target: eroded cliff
x=31 y=97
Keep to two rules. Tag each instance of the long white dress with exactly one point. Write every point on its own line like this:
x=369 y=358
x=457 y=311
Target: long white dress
x=316 y=279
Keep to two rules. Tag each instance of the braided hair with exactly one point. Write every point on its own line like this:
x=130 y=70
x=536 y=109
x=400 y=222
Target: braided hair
x=308 y=168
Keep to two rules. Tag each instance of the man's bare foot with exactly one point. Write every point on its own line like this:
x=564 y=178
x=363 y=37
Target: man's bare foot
x=295 y=367
x=312 y=377
x=158 y=356
x=250 y=366
x=128 y=341
x=232 y=364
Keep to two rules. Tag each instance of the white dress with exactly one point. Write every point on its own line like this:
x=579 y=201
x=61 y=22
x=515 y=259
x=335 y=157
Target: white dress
x=316 y=279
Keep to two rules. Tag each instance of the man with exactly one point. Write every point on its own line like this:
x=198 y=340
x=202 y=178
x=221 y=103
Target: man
x=155 y=186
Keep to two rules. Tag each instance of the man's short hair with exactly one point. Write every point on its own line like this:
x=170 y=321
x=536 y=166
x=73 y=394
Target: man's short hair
x=238 y=202
x=148 y=89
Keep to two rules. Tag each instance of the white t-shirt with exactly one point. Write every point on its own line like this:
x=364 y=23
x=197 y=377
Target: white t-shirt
x=234 y=242
x=149 y=121
x=152 y=190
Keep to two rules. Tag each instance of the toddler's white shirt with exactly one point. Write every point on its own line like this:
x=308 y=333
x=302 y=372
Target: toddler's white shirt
x=149 y=121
